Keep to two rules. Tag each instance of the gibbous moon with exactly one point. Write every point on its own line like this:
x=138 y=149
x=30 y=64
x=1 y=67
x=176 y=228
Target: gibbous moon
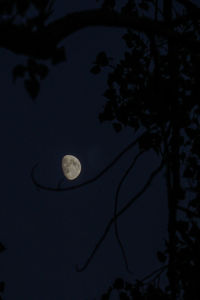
x=71 y=167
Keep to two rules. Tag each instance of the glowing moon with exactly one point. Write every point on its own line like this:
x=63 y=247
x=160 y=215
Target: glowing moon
x=71 y=167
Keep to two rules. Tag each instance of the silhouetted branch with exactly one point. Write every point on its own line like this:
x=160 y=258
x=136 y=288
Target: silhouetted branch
x=116 y=206
x=58 y=189
x=73 y=22
x=153 y=174
x=42 y=44
x=155 y=272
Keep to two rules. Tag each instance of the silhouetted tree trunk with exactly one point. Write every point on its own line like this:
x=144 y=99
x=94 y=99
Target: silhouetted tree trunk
x=173 y=167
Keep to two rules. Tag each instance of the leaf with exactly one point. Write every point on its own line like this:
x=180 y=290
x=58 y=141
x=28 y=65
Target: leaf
x=110 y=94
x=182 y=226
x=2 y=248
x=182 y=156
x=188 y=173
x=41 y=5
x=58 y=56
x=18 y=71
x=102 y=59
x=128 y=39
x=191 y=132
x=144 y=5
x=194 y=231
x=123 y=296
x=194 y=202
x=95 y=70
x=145 y=142
x=32 y=86
x=32 y=66
x=108 y=114
x=108 y=4
x=161 y=257
x=196 y=146
x=2 y=286
x=128 y=286
x=136 y=293
x=105 y=296
x=6 y=7
x=122 y=115
x=117 y=127
x=42 y=71
x=22 y=6
x=118 y=284
x=37 y=69
x=129 y=8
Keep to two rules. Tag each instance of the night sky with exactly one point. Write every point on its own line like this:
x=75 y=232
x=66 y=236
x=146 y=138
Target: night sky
x=47 y=233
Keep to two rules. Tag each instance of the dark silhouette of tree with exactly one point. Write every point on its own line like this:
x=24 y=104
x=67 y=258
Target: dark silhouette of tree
x=155 y=87
x=38 y=39
x=160 y=98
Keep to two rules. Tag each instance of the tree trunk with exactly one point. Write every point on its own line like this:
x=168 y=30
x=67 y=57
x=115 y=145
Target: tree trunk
x=173 y=168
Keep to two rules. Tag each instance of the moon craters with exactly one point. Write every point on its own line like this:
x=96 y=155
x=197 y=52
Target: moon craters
x=71 y=167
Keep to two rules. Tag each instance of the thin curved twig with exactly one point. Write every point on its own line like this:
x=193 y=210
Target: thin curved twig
x=155 y=272
x=115 y=210
x=107 y=229
x=59 y=189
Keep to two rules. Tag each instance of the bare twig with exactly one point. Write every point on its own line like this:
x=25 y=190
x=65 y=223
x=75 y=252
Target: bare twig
x=107 y=229
x=157 y=272
x=116 y=206
x=101 y=173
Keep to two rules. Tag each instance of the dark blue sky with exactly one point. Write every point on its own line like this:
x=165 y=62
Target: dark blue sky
x=46 y=234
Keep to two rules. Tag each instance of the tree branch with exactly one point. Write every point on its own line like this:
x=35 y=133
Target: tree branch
x=41 y=44
x=161 y=269
x=107 y=229
x=116 y=207
x=79 y=20
x=101 y=173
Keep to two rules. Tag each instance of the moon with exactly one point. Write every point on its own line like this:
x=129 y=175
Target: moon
x=71 y=167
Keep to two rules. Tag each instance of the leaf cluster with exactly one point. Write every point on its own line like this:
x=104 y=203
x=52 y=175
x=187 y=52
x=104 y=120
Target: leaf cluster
x=139 y=95
x=34 y=71
x=21 y=7
x=136 y=291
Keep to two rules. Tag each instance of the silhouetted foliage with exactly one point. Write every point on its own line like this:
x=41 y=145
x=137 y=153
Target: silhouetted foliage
x=2 y=286
x=155 y=87
x=141 y=94
x=12 y=14
x=2 y=247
